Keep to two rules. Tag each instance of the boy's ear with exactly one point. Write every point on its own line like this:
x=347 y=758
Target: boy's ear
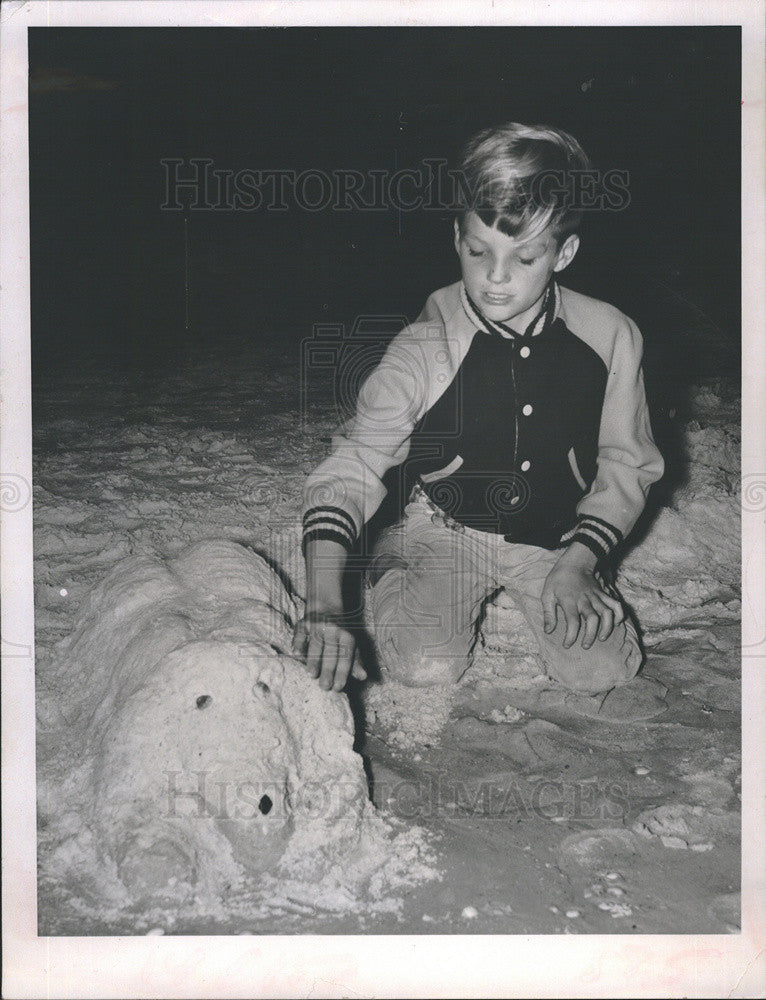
x=566 y=253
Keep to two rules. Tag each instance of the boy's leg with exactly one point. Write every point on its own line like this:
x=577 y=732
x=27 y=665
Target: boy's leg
x=426 y=586
x=607 y=664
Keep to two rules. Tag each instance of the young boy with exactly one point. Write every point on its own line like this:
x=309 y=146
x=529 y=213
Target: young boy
x=516 y=410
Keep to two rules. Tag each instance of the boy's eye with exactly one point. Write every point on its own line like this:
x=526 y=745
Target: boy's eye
x=528 y=261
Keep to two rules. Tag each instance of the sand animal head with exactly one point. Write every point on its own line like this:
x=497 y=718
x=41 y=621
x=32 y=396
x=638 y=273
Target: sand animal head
x=214 y=741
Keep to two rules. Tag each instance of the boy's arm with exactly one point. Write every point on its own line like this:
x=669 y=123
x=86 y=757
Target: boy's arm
x=320 y=637
x=628 y=463
x=344 y=491
x=628 y=459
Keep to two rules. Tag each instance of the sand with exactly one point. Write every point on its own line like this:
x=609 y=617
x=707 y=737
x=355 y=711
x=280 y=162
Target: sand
x=501 y=805
x=207 y=761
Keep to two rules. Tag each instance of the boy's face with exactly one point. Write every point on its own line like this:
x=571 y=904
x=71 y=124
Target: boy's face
x=505 y=277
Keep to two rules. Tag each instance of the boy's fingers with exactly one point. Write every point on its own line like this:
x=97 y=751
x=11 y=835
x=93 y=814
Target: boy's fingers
x=345 y=661
x=549 y=613
x=329 y=662
x=358 y=672
x=592 y=622
x=615 y=604
x=572 y=618
x=607 y=619
x=314 y=655
x=300 y=639
x=329 y=653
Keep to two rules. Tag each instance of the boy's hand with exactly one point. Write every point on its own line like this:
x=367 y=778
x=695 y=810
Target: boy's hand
x=572 y=586
x=328 y=648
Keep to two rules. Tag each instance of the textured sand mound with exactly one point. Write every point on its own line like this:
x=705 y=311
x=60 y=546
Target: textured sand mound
x=207 y=755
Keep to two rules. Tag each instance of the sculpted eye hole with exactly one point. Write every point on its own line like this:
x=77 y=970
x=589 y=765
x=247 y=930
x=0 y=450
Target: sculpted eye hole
x=262 y=687
x=204 y=700
x=265 y=805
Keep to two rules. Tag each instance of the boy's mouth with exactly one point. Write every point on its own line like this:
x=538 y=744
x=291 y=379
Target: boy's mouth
x=497 y=300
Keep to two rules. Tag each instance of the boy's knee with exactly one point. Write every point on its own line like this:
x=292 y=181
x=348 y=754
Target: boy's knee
x=413 y=645
x=419 y=656
x=604 y=666
x=417 y=668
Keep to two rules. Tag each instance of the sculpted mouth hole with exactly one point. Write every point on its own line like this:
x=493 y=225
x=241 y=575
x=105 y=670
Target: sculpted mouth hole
x=265 y=805
x=263 y=687
x=204 y=700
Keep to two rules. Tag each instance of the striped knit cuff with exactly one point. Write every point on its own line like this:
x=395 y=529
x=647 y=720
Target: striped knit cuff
x=332 y=523
x=601 y=537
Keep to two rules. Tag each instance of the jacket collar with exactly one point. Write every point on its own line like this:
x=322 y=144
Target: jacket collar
x=544 y=318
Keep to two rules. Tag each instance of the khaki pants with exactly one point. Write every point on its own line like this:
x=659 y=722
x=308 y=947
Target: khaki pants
x=426 y=586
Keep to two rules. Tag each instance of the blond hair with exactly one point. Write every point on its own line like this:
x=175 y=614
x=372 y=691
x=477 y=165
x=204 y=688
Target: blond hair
x=519 y=178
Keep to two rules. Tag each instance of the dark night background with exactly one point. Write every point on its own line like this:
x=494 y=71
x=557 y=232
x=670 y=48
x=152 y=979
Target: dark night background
x=108 y=104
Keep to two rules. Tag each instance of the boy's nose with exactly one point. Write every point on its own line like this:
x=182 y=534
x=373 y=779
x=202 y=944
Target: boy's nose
x=498 y=271
x=498 y=276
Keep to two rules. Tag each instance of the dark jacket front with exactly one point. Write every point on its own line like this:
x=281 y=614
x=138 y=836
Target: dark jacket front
x=520 y=432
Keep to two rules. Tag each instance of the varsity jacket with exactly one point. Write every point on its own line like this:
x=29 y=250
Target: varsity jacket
x=543 y=437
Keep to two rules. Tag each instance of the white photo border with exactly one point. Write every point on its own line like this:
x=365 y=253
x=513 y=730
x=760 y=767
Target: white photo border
x=364 y=965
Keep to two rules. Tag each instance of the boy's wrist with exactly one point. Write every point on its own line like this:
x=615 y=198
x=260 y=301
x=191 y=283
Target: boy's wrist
x=578 y=555
x=324 y=604
x=325 y=566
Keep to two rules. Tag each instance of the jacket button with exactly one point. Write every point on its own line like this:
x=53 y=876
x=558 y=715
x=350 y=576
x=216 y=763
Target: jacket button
x=526 y=410
x=526 y=466
x=524 y=352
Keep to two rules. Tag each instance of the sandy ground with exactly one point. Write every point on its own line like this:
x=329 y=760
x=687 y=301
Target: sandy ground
x=548 y=813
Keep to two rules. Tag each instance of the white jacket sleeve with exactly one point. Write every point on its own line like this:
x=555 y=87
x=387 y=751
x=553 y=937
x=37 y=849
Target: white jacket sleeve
x=628 y=459
x=346 y=489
